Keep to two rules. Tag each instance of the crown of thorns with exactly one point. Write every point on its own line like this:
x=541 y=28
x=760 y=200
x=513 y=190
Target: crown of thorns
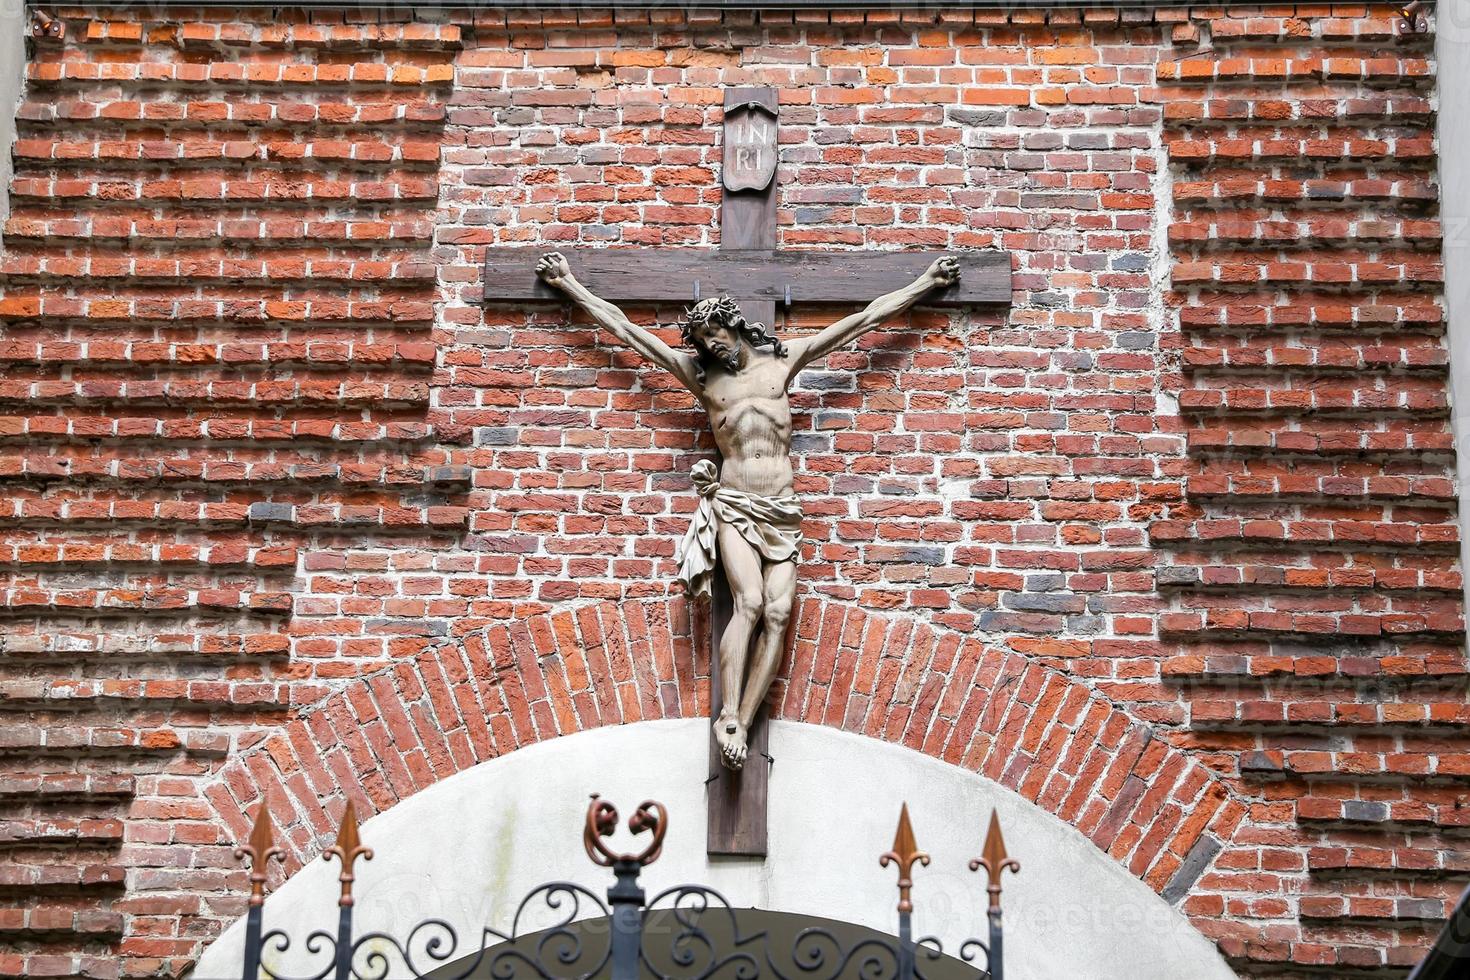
x=723 y=309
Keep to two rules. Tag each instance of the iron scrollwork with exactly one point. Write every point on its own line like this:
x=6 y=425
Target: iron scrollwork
x=692 y=951
x=687 y=932
x=557 y=951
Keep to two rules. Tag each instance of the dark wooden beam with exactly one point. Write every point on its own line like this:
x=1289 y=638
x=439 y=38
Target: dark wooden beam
x=736 y=824
x=748 y=218
x=672 y=275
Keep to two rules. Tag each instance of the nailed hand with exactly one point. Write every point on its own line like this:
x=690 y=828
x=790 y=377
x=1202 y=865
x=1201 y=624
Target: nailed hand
x=944 y=272
x=554 y=269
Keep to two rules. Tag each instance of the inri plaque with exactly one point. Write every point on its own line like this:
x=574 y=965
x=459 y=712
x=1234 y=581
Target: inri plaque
x=750 y=147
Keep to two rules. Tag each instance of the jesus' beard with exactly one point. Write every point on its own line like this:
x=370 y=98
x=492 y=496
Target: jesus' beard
x=727 y=356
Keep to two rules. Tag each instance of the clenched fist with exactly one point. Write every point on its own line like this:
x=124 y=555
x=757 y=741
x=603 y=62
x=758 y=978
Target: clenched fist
x=944 y=272
x=553 y=269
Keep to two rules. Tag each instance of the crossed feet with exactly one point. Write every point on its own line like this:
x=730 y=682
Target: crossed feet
x=730 y=735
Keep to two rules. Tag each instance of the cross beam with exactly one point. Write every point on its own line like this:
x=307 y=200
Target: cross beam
x=682 y=275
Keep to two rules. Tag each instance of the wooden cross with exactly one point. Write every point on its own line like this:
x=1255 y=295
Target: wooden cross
x=749 y=268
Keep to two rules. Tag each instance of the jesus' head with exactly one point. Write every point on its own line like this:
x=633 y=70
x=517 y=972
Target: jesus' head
x=716 y=329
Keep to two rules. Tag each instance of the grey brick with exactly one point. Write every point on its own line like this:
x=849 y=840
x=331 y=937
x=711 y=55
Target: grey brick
x=1419 y=908
x=263 y=510
x=1177 y=576
x=491 y=436
x=1089 y=625
x=1087 y=141
x=1056 y=602
x=811 y=442
x=1194 y=865
x=448 y=474
x=978 y=117
x=827 y=380
x=1368 y=811
x=1228 y=663
x=829 y=136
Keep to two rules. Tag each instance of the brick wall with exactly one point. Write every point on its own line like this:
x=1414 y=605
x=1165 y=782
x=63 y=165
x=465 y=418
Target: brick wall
x=1170 y=547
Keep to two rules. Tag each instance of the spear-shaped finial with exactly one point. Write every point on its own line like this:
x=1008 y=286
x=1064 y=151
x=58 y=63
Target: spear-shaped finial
x=260 y=848
x=905 y=852
x=995 y=860
x=347 y=850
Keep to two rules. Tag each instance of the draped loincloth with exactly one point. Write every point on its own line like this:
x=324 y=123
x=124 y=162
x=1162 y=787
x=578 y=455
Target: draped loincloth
x=772 y=525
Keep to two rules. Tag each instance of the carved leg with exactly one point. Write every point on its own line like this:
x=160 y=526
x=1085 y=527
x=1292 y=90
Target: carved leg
x=779 y=590
x=743 y=570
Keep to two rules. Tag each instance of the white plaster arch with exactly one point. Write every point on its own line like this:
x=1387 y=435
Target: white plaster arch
x=469 y=847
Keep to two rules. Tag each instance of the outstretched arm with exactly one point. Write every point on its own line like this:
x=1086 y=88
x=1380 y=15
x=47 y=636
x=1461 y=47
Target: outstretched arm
x=944 y=272
x=555 y=271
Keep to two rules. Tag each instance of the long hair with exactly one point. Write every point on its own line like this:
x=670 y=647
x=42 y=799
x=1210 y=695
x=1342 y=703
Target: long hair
x=725 y=310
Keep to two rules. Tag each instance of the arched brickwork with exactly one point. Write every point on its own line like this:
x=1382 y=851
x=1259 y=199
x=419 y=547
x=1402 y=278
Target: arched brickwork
x=1044 y=735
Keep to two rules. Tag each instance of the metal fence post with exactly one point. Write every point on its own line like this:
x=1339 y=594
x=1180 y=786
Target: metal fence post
x=347 y=849
x=906 y=957
x=997 y=959
x=905 y=854
x=260 y=848
x=995 y=861
x=251 y=970
x=626 y=895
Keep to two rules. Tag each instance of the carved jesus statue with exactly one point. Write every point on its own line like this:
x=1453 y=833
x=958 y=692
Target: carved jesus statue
x=749 y=514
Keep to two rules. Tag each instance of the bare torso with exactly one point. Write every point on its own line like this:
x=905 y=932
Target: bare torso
x=750 y=415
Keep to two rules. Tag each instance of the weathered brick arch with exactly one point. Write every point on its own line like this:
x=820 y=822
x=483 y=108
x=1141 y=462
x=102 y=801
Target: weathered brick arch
x=1035 y=730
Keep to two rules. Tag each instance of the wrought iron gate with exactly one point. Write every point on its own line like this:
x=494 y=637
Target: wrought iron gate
x=687 y=947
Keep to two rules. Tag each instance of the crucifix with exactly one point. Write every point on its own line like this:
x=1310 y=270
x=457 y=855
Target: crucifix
x=744 y=540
